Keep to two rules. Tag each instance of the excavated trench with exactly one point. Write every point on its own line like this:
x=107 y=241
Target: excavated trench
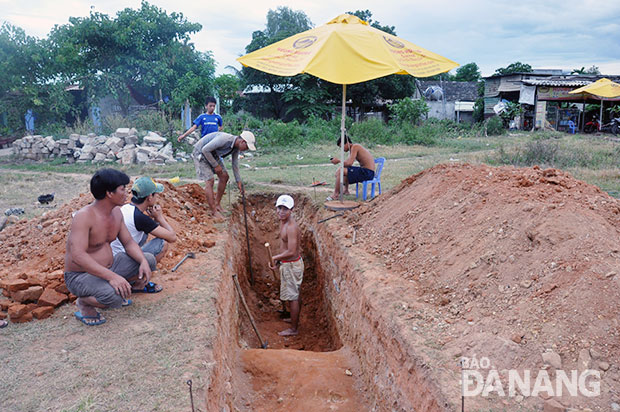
x=344 y=357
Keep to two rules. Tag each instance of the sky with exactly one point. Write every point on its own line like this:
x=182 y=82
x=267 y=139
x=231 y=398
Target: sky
x=546 y=34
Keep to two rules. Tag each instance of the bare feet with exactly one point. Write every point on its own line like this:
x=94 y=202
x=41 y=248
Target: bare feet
x=288 y=332
x=87 y=314
x=86 y=309
x=218 y=217
x=220 y=208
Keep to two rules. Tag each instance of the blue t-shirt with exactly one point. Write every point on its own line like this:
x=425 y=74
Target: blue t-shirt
x=209 y=123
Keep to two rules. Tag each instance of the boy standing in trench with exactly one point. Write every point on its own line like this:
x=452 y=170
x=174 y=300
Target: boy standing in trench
x=290 y=261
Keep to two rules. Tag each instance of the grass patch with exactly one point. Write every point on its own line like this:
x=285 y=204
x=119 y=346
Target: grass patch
x=138 y=361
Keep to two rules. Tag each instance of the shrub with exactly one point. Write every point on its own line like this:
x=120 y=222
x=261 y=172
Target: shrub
x=237 y=122
x=495 y=126
x=317 y=130
x=409 y=134
x=409 y=111
x=277 y=133
x=372 y=131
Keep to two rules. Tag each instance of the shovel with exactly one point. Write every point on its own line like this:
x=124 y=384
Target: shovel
x=190 y=255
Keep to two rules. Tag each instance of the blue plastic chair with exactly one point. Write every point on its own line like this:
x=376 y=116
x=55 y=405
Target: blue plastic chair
x=571 y=127
x=377 y=180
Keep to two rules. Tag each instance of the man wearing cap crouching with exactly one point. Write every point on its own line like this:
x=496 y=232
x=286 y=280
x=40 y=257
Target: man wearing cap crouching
x=208 y=154
x=144 y=217
x=290 y=261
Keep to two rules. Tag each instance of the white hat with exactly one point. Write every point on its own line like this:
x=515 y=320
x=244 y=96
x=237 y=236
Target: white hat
x=249 y=139
x=285 y=200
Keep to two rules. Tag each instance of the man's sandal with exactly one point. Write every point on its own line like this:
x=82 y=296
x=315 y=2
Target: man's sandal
x=150 y=287
x=90 y=320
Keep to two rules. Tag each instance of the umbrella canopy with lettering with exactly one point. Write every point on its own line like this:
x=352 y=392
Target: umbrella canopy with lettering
x=346 y=50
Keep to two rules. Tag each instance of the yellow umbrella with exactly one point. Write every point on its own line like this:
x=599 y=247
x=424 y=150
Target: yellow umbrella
x=346 y=50
x=601 y=88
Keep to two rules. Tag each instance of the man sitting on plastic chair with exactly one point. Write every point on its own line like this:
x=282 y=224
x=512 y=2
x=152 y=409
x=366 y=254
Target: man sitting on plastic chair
x=353 y=174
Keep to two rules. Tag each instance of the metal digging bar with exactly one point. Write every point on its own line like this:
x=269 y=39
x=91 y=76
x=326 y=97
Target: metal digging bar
x=247 y=235
x=191 y=395
x=263 y=344
x=331 y=217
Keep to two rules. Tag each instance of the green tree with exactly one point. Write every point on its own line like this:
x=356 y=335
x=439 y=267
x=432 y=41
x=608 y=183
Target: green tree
x=26 y=81
x=139 y=52
x=591 y=70
x=227 y=86
x=281 y=23
x=516 y=67
x=409 y=111
x=468 y=73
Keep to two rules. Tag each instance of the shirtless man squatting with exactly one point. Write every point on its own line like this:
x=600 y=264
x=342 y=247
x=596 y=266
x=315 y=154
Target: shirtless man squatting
x=92 y=273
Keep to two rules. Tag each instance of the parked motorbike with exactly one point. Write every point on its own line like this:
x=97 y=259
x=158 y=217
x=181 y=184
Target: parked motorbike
x=594 y=125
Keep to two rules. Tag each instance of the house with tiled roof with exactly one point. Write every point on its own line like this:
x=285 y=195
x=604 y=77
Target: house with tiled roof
x=448 y=99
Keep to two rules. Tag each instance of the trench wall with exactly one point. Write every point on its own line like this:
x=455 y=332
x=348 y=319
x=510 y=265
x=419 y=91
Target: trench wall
x=397 y=379
x=220 y=395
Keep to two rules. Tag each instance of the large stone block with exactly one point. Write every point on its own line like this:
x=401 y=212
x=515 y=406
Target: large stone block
x=13 y=285
x=142 y=157
x=102 y=148
x=99 y=158
x=113 y=141
x=121 y=132
x=132 y=139
x=127 y=156
x=31 y=294
x=153 y=139
x=100 y=140
x=85 y=157
x=17 y=310
x=43 y=312
x=167 y=150
x=88 y=149
x=149 y=151
x=50 y=297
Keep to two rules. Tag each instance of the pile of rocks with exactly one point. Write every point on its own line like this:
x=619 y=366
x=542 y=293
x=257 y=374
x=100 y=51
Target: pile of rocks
x=121 y=147
x=33 y=296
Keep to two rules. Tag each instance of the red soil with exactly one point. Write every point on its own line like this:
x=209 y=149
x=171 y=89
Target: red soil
x=505 y=263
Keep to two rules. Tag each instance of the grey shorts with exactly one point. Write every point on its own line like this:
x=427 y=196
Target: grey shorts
x=203 y=168
x=83 y=284
x=154 y=247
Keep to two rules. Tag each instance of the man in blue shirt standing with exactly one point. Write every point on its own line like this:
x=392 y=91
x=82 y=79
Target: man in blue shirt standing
x=209 y=122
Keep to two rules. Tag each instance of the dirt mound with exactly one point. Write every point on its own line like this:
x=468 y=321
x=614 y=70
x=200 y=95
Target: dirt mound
x=32 y=251
x=507 y=263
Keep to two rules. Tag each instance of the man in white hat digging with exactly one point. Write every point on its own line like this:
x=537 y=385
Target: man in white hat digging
x=290 y=261
x=208 y=154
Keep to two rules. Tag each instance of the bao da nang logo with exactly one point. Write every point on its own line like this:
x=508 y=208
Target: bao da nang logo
x=304 y=42
x=393 y=42
x=480 y=378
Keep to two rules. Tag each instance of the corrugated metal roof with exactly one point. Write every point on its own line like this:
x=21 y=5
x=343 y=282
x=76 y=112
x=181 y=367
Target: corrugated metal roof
x=557 y=83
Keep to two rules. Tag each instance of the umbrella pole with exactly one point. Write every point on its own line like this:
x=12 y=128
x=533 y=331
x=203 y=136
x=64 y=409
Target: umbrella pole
x=600 y=119
x=342 y=124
